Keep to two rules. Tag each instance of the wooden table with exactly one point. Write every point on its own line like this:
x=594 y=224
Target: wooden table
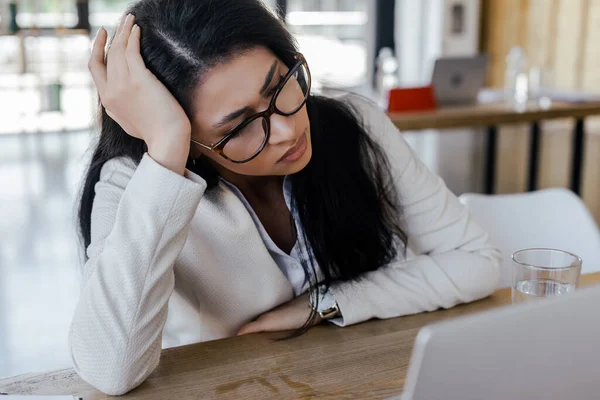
x=365 y=361
x=492 y=115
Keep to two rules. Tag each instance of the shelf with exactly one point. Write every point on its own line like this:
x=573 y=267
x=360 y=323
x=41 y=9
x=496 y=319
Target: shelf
x=47 y=32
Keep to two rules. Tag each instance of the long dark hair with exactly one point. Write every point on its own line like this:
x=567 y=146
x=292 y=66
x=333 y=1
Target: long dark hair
x=345 y=198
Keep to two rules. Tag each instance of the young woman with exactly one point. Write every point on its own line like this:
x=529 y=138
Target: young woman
x=224 y=198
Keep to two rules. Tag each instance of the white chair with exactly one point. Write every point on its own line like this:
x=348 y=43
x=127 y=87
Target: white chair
x=552 y=218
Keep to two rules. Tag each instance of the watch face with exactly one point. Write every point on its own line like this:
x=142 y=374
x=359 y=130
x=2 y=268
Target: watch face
x=330 y=312
x=326 y=303
x=327 y=307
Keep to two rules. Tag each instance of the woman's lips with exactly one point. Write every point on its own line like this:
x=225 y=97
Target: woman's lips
x=296 y=152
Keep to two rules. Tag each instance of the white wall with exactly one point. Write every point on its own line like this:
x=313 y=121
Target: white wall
x=422 y=35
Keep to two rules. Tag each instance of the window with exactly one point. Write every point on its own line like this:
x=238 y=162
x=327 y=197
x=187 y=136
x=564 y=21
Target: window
x=47 y=14
x=332 y=34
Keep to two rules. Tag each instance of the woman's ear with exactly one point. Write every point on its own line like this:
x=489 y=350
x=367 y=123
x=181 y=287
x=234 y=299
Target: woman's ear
x=194 y=152
x=194 y=148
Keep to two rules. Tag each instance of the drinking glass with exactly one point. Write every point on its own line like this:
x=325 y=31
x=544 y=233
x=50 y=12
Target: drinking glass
x=541 y=273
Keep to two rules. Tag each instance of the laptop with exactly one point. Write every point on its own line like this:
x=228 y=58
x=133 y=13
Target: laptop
x=548 y=349
x=458 y=80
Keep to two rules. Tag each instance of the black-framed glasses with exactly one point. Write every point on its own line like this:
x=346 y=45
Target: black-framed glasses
x=244 y=142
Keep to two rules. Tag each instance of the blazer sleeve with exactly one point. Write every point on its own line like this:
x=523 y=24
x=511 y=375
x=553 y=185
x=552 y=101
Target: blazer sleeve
x=139 y=225
x=450 y=258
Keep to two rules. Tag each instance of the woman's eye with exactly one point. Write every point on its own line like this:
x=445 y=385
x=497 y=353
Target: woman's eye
x=235 y=134
x=272 y=91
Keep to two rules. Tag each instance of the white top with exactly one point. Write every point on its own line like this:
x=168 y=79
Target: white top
x=290 y=264
x=170 y=264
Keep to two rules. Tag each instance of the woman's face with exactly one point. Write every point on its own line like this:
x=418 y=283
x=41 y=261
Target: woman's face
x=232 y=92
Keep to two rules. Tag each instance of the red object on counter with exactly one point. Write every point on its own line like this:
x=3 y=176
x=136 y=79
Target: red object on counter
x=412 y=99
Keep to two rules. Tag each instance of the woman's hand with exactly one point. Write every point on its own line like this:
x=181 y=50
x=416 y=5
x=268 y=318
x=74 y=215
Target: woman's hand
x=289 y=316
x=137 y=100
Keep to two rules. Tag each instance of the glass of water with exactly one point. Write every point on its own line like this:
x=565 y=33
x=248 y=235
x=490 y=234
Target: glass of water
x=544 y=272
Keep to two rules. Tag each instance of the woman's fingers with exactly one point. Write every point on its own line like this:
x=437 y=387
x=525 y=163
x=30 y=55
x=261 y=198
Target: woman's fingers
x=121 y=24
x=134 y=58
x=125 y=32
x=138 y=101
x=252 y=327
x=116 y=63
x=96 y=63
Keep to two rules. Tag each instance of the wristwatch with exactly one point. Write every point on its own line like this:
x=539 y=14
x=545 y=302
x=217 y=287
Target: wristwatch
x=330 y=313
x=327 y=308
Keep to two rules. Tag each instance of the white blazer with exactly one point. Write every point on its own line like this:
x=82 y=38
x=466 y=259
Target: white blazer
x=171 y=264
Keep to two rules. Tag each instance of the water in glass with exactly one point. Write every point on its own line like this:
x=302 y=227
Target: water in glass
x=526 y=290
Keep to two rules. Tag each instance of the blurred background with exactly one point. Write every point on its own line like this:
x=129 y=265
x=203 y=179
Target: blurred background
x=48 y=103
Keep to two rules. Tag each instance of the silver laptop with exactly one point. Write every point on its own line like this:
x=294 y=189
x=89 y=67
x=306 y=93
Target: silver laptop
x=542 y=350
x=457 y=81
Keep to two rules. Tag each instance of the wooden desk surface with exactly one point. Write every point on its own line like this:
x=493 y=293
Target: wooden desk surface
x=366 y=361
x=489 y=114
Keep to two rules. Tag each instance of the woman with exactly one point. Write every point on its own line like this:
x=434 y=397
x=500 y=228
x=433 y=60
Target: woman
x=223 y=198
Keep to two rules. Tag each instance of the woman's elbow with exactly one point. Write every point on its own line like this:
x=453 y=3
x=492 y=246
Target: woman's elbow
x=111 y=372
x=111 y=378
x=476 y=275
x=485 y=277
x=111 y=387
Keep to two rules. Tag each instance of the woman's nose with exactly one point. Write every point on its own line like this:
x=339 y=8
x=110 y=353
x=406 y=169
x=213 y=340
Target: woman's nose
x=282 y=129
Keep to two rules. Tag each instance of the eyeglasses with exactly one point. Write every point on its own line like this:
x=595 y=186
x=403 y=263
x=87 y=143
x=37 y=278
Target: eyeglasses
x=244 y=142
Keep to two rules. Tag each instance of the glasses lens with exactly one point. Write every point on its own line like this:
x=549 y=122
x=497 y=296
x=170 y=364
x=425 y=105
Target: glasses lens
x=294 y=92
x=247 y=142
